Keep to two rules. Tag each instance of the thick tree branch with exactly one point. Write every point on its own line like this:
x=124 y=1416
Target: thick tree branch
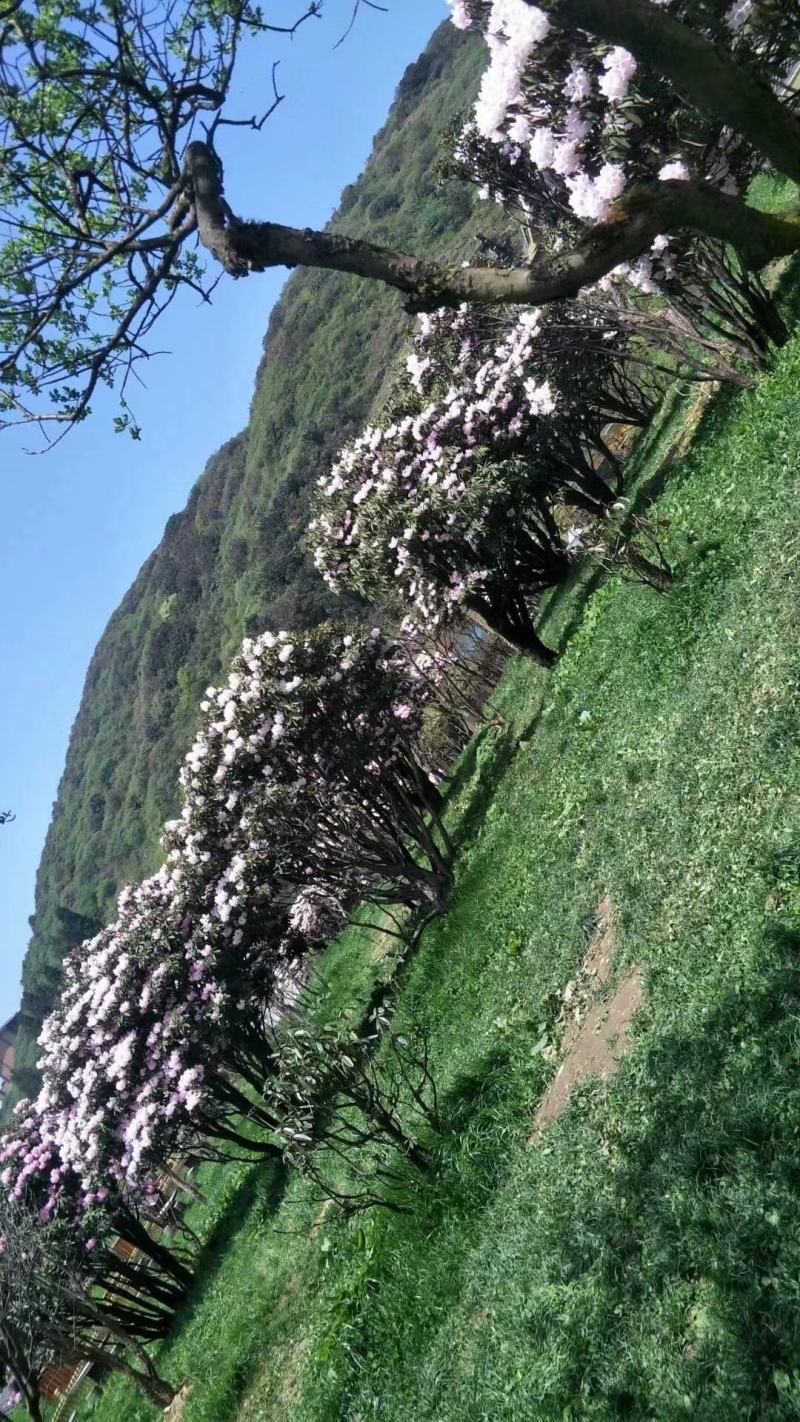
x=712 y=80
x=243 y=247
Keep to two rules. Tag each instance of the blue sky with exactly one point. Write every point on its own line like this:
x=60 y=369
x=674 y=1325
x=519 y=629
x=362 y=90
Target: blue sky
x=77 y=523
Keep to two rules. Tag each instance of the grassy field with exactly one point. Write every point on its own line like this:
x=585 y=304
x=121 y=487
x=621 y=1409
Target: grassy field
x=643 y=1259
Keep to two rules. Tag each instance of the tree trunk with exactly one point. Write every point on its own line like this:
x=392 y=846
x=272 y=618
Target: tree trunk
x=656 y=575
x=525 y=641
x=155 y=1388
x=184 y=1185
x=31 y=1399
x=134 y=1233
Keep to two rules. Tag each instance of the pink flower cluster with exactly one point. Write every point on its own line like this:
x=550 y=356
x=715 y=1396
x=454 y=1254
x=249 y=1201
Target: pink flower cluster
x=286 y=791
x=556 y=126
x=579 y=121
x=496 y=418
x=513 y=31
x=295 y=758
x=402 y=501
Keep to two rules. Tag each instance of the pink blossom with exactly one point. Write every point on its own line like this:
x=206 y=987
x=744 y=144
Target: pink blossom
x=620 y=67
x=542 y=147
x=591 y=198
x=739 y=14
x=578 y=85
x=672 y=171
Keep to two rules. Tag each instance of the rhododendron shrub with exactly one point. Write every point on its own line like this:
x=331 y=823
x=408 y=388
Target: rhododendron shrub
x=135 y=1066
x=142 y=1289
x=50 y=1308
x=588 y=121
x=362 y=1098
x=481 y=546
x=118 y=1102
x=689 y=297
x=716 y=323
x=134 y=1056
x=309 y=755
x=563 y=127
x=585 y=117
x=301 y=794
x=448 y=505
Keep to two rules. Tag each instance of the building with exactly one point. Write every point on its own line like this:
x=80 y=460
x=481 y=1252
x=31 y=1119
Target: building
x=8 y=1052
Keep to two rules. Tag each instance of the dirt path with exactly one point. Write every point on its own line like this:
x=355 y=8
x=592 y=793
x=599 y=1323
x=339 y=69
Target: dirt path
x=597 y=1033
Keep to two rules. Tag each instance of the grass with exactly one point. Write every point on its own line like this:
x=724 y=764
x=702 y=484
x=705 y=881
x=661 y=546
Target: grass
x=643 y=1261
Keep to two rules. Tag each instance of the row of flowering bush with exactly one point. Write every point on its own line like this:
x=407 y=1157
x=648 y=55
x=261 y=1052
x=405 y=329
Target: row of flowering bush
x=449 y=504
x=305 y=791
x=302 y=795
x=452 y=502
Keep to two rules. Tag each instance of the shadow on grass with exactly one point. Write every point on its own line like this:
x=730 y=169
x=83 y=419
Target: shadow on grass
x=481 y=767
x=262 y=1187
x=699 y=1240
x=472 y=1088
x=788 y=293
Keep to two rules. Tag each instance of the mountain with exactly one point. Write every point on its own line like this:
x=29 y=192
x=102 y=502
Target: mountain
x=233 y=561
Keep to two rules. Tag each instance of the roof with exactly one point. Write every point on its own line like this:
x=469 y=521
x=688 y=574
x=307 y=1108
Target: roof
x=11 y=1027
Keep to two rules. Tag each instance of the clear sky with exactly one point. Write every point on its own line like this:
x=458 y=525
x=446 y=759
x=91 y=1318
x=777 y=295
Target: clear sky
x=77 y=523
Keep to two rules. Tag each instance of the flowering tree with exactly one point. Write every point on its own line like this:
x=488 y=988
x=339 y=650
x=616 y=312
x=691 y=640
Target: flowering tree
x=50 y=1308
x=23 y=1358
x=709 y=305
x=143 y=1279
x=578 y=123
x=302 y=793
x=107 y=181
x=308 y=755
x=562 y=128
x=450 y=504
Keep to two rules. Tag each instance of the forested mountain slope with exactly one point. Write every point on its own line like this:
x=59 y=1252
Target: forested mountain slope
x=233 y=561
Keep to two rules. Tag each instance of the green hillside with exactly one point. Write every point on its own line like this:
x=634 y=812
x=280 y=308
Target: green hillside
x=233 y=560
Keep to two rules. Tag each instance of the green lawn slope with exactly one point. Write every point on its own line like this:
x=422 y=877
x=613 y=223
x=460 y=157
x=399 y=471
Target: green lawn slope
x=642 y=1258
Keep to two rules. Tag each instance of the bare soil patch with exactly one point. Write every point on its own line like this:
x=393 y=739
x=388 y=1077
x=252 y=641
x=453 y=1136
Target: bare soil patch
x=693 y=421
x=290 y=1385
x=177 y=1408
x=596 y=1033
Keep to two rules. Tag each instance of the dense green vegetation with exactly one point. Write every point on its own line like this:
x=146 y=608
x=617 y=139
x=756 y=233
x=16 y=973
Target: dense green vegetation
x=234 y=561
x=641 y=1260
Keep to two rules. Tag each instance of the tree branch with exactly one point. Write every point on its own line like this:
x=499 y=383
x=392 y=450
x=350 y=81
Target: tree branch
x=243 y=247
